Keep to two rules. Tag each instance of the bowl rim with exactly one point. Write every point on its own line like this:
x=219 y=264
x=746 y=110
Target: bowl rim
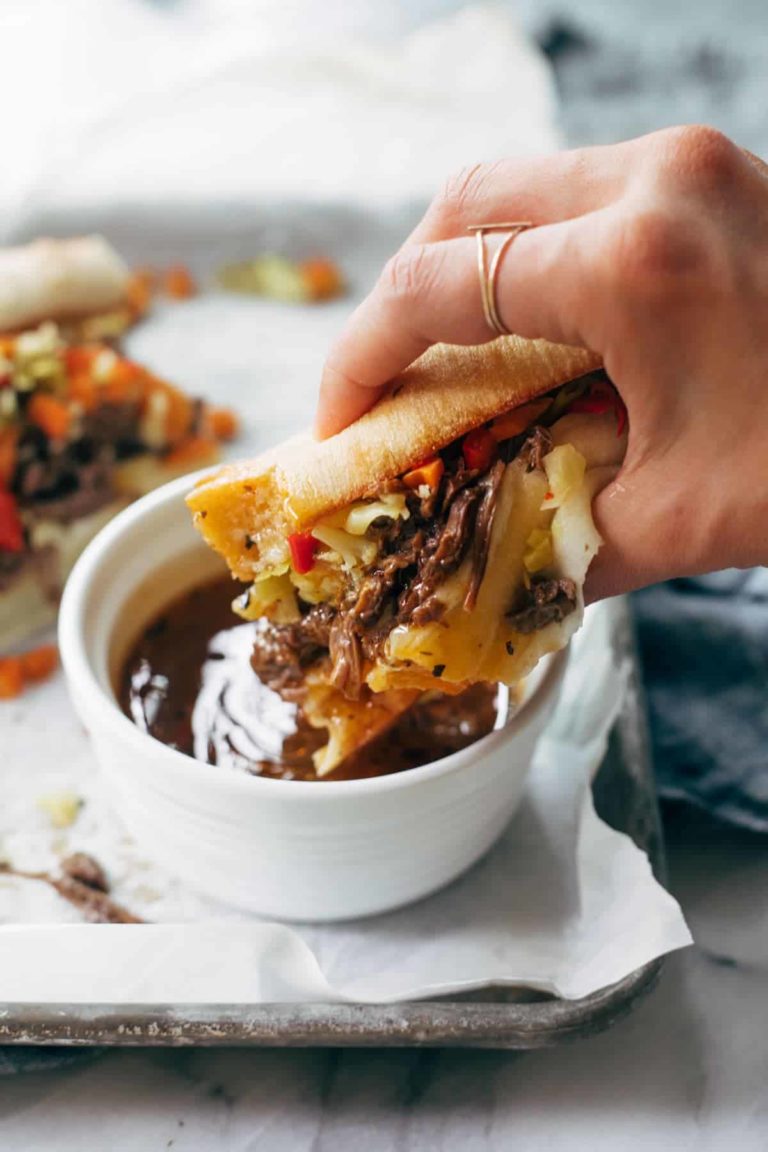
x=83 y=681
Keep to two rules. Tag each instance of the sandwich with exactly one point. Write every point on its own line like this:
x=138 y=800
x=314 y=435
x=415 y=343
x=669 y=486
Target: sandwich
x=440 y=541
x=83 y=431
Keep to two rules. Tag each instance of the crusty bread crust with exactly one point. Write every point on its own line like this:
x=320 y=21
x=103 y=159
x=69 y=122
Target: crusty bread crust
x=59 y=279
x=247 y=510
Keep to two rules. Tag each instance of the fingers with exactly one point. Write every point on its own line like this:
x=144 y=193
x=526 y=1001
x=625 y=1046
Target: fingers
x=648 y=530
x=426 y=294
x=542 y=190
x=430 y=294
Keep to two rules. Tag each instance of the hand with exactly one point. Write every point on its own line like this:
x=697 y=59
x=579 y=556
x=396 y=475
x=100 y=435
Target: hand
x=654 y=253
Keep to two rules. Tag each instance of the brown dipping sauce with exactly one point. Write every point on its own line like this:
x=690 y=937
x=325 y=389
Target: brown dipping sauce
x=189 y=683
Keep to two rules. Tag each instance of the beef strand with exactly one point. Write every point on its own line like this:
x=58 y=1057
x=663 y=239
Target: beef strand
x=546 y=602
x=346 y=657
x=481 y=541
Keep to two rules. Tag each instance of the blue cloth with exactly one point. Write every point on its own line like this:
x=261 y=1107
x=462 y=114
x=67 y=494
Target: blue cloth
x=704 y=651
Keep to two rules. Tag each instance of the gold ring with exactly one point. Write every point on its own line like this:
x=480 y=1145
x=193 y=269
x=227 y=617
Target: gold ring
x=488 y=275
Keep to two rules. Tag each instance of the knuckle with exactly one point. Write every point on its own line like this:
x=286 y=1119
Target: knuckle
x=701 y=159
x=459 y=196
x=653 y=252
x=409 y=274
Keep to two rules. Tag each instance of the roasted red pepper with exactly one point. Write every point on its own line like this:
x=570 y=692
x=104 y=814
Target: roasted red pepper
x=600 y=399
x=478 y=449
x=302 y=546
x=11 y=528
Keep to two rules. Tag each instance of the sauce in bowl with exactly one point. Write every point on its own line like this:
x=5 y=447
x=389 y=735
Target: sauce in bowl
x=188 y=682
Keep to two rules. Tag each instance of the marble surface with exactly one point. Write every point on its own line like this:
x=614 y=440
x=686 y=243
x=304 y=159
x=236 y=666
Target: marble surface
x=689 y=1069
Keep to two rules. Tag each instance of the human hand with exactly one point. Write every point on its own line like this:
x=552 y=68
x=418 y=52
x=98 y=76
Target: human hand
x=653 y=253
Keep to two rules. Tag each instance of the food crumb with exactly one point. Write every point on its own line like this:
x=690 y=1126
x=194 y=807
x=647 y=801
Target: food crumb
x=62 y=808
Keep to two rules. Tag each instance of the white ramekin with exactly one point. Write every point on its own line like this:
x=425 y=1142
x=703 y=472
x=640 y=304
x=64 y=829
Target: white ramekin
x=294 y=850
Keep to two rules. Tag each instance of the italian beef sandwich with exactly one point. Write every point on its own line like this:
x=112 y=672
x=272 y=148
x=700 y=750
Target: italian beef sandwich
x=441 y=540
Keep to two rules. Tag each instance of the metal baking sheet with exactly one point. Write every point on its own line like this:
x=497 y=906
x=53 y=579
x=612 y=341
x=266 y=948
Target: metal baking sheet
x=625 y=798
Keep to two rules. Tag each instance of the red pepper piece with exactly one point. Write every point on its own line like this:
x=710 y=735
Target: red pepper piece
x=302 y=547
x=478 y=449
x=11 y=528
x=599 y=400
x=595 y=405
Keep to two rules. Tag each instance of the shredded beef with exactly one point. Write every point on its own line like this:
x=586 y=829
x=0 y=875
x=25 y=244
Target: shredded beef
x=281 y=652
x=379 y=584
x=547 y=602
x=481 y=541
x=403 y=587
x=442 y=555
x=536 y=447
x=346 y=657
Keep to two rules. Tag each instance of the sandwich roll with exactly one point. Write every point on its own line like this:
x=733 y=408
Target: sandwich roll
x=441 y=540
x=59 y=280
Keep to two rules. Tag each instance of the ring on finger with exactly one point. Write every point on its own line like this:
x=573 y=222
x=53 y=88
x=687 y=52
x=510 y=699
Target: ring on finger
x=489 y=274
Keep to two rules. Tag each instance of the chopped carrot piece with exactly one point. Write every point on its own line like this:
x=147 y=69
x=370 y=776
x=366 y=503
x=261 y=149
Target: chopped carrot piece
x=178 y=283
x=322 y=278
x=514 y=423
x=81 y=358
x=39 y=663
x=9 y=438
x=83 y=389
x=141 y=285
x=428 y=473
x=125 y=384
x=177 y=410
x=222 y=422
x=191 y=450
x=50 y=414
x=11 y=677
x=7 y=347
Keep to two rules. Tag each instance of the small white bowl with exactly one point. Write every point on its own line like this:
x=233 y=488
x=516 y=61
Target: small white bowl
x=289 y=849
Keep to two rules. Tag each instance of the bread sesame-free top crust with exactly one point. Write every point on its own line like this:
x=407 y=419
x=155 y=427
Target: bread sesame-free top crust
x=246 y=510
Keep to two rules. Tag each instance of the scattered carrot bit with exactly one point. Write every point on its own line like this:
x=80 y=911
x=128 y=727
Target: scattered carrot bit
x=140 y=288
x=514 y=423
x=178 y=282
x=7 y=347
x=190 y=450
x=428 y=473
x=39 y=663
x=323 y=278
x=50 y=414
x=32 y=667
x=11 y=677
x=222 y=423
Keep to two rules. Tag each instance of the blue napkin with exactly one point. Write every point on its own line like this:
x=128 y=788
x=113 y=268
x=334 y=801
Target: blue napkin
x=704 y=652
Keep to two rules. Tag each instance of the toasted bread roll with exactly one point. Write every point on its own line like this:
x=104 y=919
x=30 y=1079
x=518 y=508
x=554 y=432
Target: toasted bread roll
x=59 y=280
x=246 y=511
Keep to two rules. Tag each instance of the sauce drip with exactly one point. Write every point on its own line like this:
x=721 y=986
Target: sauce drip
x=188 y=682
